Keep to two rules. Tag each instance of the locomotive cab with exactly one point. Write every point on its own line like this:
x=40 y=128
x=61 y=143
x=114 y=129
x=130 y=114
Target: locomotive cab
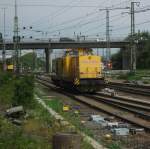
x=80 y=69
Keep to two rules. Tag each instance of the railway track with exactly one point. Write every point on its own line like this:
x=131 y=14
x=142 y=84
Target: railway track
x=142 y=111
x=130 y=88
x=132 y=112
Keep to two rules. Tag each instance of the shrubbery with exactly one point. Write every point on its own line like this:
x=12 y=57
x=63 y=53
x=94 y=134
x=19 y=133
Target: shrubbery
x=16 y=90
x=19 y=90
x=24 y=91
x=6 y=89
x=5 y=78
x=12 y=136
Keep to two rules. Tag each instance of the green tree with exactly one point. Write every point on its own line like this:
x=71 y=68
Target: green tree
x=117 y=60
x=143 y=52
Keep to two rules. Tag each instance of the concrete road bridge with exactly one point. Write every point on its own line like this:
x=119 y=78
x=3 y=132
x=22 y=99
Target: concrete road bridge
x=64 y=43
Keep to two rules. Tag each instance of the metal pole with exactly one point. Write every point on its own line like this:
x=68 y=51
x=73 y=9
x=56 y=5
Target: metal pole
x=16 y=39
x=131 y=56
x=133 y=47
x=4 y=45
x=107 y=38
x=47 y=60
x=103 y=53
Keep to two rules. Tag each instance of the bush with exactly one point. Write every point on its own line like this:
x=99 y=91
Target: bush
x=6 y=89
x=5 y=78
x=24 y=91
x=14 y=137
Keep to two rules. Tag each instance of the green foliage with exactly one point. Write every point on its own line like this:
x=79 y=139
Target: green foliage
x=128 y=76
x=56 y=105
x=24 y=91
x=73 y=118
x=143 y=52
x=117 y=60
x=41 y=113
x=114 y=146
x=5 y=78
x=13 y=137
x=6 y=93
x=6 y=88
x=136 y=76
x=30 y=61
x=16 y=90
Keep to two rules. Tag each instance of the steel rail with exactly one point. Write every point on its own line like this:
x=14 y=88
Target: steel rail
x=99 y=106
x=131 y=85
x=127 y=99
x=136 y=109
x=127 y=89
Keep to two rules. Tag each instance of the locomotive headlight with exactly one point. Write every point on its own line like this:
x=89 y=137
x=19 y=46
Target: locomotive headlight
x=99 y=75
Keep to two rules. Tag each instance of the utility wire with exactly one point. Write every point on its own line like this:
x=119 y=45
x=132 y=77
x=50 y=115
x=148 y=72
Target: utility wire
x=97 y=6
x=79 y=25
x=51 y=15
x=82 y=17
x=83 y=23
x=126 y=27
x=76 y=19
x=56 y=14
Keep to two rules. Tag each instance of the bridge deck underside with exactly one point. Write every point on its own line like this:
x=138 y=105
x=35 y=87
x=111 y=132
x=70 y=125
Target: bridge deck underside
x=64 y=45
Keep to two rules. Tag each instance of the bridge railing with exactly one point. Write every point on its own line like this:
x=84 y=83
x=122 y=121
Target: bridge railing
x=46 y=40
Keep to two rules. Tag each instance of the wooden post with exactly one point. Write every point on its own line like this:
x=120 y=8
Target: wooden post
x=66 y=141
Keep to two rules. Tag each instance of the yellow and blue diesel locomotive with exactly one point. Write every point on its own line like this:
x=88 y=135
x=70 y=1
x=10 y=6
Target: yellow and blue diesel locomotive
x=79 y=69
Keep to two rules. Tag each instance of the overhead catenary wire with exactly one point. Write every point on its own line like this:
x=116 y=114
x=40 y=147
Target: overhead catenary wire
x=51 y=15
x=68 y=27
x=87 y=15
x=103 y=24
x=84 y=22
x=117 y=4
x=137 y=24
x=106 y=1
x=80 y=25
x=112 y=8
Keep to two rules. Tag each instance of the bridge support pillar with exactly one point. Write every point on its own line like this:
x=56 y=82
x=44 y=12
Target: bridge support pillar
x=47 y=65
x=126 y=58
x=50 y=61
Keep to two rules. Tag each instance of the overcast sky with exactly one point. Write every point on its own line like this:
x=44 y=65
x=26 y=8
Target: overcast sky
x=68 y=17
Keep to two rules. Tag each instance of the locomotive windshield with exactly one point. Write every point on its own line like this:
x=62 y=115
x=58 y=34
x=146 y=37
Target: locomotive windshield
x=76 y=52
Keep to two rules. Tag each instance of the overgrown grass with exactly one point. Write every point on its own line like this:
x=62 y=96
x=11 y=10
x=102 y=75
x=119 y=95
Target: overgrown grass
x=14 y=137
x=114 y=146
x=19 y=91
x=135 y=76
x=73 y=118
x=129 y=77
x=56 y=105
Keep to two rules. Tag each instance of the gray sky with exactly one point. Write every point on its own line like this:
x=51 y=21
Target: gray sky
x=65 y=17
